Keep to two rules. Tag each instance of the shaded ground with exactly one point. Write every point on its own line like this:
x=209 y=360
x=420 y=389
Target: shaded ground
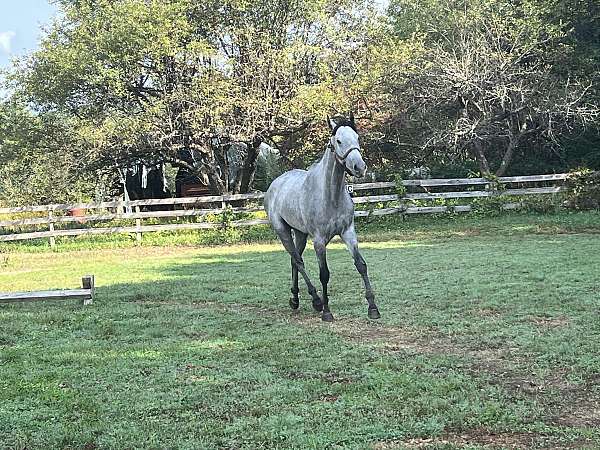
x=486 y=341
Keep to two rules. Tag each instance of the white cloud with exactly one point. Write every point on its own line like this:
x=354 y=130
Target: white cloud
x=6 y=38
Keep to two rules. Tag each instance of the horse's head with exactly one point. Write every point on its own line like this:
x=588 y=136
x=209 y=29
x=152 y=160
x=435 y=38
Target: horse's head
x=344 y=144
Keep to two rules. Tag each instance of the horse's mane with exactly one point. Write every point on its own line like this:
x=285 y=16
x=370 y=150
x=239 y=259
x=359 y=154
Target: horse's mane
x=343 y=122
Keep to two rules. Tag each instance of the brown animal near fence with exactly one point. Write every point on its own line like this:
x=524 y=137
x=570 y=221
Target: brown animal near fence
x=85 y=294
x=455 y=188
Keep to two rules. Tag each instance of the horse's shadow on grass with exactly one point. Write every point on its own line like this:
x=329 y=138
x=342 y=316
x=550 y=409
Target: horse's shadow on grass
x=259 y=278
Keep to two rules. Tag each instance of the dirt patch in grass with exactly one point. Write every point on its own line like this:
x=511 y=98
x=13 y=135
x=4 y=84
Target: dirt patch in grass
x=385 y=338
x=584 y=414
x=550 y=322
x=488 y=312
x=331 y=398
x=577 y=405
x=486 y=439
x=567 y=404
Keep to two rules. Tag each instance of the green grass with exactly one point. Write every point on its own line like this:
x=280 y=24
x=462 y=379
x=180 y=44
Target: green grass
x=488 y=337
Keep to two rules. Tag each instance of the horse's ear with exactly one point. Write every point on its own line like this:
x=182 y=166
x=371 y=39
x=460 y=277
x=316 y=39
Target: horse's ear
x=330 y=123
x=352 y=118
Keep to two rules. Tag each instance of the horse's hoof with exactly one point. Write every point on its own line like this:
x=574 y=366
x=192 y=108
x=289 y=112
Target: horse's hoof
x=317 y=304
x=327 y=317
x=374 y=313
x=294 y=303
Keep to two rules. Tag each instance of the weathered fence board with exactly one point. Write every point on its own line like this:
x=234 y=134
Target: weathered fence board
x=132 y=203
x=460 y=194
x=60 y=207
x=85 y=294
x=375 y=198
x=123 y=216
x=475 y=194
x=7 y=297
x=432 y=182
x=108 y=230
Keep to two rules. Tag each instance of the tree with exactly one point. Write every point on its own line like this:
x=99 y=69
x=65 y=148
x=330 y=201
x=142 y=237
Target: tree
x=34 y=166
x=144 y=81
x=487 y=80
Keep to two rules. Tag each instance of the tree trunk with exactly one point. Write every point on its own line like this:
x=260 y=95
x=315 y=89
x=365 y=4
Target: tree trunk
x=220 y=157
x=212 y=169
x=484 y=166
x=249 y=167
x=216 y=185
x=507 y=158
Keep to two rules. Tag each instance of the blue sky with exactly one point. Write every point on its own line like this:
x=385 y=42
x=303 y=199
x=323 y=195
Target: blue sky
x=20 y=26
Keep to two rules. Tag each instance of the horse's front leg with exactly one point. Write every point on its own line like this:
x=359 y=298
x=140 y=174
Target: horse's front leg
x=321 y=251
x=351 y=241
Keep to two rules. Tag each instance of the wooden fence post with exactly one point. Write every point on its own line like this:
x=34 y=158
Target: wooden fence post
x=51 y=228
x=223 y=213
x=88 y=283
x=120 y=207
x=138 y=226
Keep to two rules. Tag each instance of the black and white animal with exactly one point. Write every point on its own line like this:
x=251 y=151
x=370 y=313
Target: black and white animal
x=315 y=203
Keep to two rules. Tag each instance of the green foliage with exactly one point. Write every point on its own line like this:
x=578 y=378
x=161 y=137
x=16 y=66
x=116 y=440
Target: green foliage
x=489 y=206
x=443 y=168
x=495 y=184
x=468 y=96
x=268 y=167
x=583 y=189
x=36 y=164
x=399 y=188
x=140 y=80
x=227 y=216
x=4 y=258
x=228 y=232
x=542 y=204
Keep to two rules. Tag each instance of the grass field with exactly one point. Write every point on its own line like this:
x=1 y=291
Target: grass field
x=489 y=338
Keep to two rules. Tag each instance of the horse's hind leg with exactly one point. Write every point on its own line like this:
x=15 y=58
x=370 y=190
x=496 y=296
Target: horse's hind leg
x=284 y=232
x=300 y=243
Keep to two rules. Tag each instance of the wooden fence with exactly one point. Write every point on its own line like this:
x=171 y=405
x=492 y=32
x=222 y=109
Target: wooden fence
x=118 y=210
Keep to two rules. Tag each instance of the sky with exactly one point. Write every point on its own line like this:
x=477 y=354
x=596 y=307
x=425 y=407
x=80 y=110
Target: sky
x=20 y=26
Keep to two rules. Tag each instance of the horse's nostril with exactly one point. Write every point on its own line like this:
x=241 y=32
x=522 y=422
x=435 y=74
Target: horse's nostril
x=359 y=169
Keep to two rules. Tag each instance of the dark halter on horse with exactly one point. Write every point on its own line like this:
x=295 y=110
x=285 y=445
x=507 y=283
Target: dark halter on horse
x=342 y=159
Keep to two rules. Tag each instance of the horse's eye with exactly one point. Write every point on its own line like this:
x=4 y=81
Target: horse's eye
x=339 y=142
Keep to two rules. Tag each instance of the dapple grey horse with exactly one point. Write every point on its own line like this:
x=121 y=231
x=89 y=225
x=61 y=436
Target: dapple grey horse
x=315 y=203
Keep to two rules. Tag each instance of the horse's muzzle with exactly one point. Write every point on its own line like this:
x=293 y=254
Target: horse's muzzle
x=359 y=169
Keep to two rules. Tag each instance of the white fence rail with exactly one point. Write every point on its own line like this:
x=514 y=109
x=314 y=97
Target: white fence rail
x=203 y=206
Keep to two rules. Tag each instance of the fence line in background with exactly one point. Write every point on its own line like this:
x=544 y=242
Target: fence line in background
x=122 y=210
